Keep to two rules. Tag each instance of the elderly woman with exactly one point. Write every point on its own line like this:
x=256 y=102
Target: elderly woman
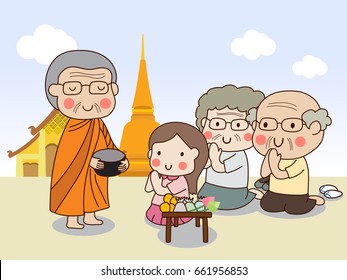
x=82 y=85
x=224 y=117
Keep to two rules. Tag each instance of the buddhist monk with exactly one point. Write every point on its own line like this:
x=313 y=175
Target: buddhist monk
x=82 y=85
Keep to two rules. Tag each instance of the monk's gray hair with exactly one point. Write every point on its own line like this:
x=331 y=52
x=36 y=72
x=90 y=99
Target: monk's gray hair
x=321 y=116
x=77 y=58
x=240 y=98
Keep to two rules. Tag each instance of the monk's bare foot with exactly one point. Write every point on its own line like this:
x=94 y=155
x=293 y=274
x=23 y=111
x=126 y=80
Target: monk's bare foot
x=319 y=200
x=258 y=193
x=90 y=219
x=72 y=222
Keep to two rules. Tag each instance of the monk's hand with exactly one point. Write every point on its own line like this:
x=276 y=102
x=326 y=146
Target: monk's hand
x=96 y=163
x=124 y=165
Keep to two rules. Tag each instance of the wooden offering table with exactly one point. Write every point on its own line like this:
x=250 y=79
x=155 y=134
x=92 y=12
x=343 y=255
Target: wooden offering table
x=197 y=215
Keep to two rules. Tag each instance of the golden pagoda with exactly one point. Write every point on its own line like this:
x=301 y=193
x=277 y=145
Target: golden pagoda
x=136 y=133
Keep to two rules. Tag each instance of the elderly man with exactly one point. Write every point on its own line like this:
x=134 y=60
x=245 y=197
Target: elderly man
x=82 y=85
x=289 y=126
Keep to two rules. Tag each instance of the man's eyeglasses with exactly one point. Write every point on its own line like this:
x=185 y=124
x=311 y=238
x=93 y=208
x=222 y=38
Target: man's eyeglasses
x=289 y=125
x=74 y=88
x=219 y=124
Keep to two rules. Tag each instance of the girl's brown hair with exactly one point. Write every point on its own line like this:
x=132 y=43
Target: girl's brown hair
x=193 y=139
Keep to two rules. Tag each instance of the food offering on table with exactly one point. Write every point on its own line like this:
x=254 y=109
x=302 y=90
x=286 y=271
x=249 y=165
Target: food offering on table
x=190 y=205
x=210 y=203
x=199 y=205
x=181 y=205
x=169 y=203
x=186 y=204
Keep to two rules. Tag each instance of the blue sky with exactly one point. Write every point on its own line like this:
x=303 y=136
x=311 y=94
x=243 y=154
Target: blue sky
x=187 y=51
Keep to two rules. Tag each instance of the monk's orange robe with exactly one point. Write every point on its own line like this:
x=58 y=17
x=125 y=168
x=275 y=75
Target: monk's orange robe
x=75 y=187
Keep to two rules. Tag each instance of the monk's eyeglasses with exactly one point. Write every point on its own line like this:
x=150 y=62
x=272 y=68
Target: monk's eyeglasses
x=74 y=88
x=289 y=125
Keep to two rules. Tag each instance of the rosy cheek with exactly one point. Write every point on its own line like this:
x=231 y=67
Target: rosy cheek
x=69 y=103
x=155 y=162
x=300 y=141
x=105 y=103
x=208 y=134
x=260 y=139
x=248 y=136
x=182 y=165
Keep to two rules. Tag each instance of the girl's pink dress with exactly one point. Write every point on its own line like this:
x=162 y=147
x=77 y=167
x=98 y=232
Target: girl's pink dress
x=177 y=186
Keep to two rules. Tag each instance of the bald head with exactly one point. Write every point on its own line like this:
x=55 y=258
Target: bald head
x=290 y=122
x=287 y=104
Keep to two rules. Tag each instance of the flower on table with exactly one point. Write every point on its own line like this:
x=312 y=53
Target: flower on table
x=210 y=203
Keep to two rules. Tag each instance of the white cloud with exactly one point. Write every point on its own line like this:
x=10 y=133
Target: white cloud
x=252 y=45
x=309 y=67
x=45 y=44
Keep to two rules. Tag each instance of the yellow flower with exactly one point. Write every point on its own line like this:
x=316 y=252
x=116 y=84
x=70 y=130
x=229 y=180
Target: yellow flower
x=165 y=207
x=173 y=200
x=167 y=197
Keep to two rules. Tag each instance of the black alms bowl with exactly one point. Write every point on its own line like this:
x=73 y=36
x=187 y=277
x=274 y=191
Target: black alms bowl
x=112 y=160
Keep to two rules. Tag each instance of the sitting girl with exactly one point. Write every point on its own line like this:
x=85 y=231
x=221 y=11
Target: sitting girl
x=178 y=153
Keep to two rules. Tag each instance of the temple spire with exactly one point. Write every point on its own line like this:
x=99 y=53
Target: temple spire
x=143 y=47
x=142 y=101
x=138 y=130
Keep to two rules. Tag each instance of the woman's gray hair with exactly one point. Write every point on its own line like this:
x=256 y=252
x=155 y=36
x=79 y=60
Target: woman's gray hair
x=240 y=98
x=77 y=58
x=321 y=116
x=252 y=115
